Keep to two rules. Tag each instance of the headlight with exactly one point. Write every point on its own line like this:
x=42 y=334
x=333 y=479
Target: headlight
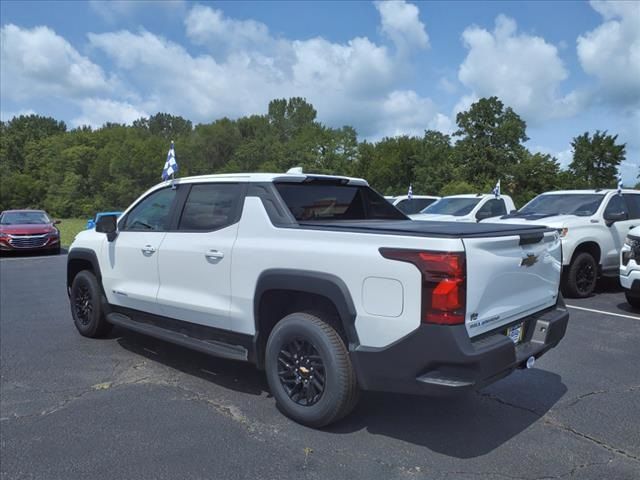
x=563 y=232
x=628 y=242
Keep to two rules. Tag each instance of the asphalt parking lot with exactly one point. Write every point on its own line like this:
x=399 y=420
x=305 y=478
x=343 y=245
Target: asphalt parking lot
x=133 y=407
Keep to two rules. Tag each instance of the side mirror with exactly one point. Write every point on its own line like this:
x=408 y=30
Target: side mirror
x=108 y=224
x=614 y=217
x=513 y=211
x=483 y=215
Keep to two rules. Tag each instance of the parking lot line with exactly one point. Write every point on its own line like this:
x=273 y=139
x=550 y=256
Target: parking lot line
x=633 y=317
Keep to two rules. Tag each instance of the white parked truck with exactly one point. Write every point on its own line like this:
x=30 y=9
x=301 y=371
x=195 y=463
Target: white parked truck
x=323 y=284
x=593 y=225
x=466 y=208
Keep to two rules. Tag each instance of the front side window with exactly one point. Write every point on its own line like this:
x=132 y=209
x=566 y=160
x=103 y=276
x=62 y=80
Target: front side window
x=633 y=202
x=493 y=208
x=616 y=205
x=152 y=213
x=210 y=207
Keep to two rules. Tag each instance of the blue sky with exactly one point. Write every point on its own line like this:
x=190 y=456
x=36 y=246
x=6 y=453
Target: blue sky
x=387 y=68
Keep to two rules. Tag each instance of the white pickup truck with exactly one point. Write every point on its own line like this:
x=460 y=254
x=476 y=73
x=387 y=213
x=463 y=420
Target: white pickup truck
x=466 y=208
x=322 y=283
x=593 y=225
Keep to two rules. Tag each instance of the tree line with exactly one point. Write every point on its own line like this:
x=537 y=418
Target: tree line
x=80 y=171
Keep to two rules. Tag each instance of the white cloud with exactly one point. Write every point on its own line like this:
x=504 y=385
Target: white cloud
x=39 y=63
x=611 y=52
x=401 y=23
x=348 y=83
x=524 y=71
x=209 y=27
x=96 y=112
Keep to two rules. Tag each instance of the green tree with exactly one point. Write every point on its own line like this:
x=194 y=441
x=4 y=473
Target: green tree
x=596 y=159
x=490 y=142
x=535 y=174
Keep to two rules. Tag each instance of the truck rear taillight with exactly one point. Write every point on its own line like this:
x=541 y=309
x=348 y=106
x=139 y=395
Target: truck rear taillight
x=443 y=283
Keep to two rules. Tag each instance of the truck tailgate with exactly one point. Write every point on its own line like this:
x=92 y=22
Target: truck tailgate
x=510 y=277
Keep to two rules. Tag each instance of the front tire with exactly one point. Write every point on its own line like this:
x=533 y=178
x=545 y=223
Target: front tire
x=582 y=276
x=86 y=306
x=632 y=298
x=309 y=370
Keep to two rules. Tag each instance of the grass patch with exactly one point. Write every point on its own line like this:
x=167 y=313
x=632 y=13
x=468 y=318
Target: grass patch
x=69 y=228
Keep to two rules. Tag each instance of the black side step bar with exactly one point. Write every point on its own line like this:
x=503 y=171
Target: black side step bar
x=210 y=347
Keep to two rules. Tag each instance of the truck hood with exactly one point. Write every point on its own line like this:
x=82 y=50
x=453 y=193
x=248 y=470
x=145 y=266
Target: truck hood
x=27 y=229
x=435 y=217
x=555 y=221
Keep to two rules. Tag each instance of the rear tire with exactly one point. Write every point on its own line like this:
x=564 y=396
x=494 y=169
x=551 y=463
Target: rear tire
x=582 y=276
x=309 y=370
x=86 y=306
x=632 y=298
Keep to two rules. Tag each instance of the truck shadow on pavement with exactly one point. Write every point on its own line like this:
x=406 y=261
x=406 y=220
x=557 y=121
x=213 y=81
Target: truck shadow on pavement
x=463 y=427
x=238 y=376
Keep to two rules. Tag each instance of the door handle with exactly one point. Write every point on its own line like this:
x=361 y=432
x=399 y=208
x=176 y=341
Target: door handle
x=148 y=250
x=214 y=255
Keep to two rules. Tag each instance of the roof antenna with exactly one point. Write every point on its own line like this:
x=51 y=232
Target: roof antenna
x=295 y=171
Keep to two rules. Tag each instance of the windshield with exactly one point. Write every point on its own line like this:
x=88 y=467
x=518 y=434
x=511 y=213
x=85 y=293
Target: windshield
x=414 y=205
x=456 y=206
x=582 y=204
x=24 y=218
x=321 y=201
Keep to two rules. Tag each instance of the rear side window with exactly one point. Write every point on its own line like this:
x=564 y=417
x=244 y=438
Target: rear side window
x=210 y=206
x=152 y=213
x=317 y=201
x=633 y=202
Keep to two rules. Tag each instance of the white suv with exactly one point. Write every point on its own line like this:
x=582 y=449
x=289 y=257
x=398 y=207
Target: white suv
x=322 y=283
x=630 y=267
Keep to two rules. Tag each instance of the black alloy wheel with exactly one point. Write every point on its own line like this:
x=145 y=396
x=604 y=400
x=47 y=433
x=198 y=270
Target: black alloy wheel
x=301 y=372
x=83 y=305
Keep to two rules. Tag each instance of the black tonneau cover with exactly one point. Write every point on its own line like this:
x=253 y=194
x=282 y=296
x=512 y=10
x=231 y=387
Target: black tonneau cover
x=420 y=228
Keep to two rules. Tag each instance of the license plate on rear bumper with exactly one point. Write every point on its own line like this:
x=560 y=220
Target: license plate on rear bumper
x=514 y=332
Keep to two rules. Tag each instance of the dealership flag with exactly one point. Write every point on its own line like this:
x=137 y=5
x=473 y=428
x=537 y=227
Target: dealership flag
x=496 y=190
x=620 y=185
x=410 y=192
x=170 y=166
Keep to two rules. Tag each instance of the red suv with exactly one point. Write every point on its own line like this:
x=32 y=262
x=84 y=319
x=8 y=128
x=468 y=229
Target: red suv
x=28 y=230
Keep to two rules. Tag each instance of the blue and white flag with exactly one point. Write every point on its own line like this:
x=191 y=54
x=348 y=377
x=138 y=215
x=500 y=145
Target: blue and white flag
x=170 y=166
x=496 y=190
x=410 y=192
x=619 y=184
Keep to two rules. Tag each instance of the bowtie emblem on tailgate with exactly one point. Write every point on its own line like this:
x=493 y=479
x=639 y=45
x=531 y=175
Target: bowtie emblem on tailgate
x=529 y=261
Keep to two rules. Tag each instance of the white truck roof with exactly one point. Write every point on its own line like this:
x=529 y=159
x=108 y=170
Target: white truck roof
x=264 y=177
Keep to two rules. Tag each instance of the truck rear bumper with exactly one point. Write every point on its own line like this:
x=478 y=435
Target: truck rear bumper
x=441 y=360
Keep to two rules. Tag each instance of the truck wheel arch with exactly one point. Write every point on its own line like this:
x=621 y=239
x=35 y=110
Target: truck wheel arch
x=591 y=247
x=327 y=292
x=80 y=259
